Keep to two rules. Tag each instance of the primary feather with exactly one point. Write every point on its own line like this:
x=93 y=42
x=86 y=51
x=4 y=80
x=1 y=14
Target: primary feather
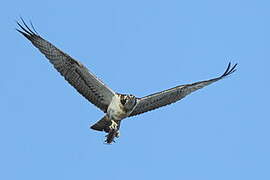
x=73 y=71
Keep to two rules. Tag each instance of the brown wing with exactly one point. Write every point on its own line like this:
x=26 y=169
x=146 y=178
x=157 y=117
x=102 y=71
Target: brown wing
x=86 y=83
x=172 y=95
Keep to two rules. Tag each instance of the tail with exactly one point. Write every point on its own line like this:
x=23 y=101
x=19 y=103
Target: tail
x=102 y=125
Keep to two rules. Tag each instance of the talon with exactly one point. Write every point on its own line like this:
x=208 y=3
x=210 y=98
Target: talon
x=113 y=126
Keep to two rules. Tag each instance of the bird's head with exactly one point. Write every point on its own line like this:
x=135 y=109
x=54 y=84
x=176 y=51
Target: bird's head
x=128 y=101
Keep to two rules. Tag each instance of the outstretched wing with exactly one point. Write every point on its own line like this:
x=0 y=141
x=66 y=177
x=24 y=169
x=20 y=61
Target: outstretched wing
x=172 y=95
x=86 y=83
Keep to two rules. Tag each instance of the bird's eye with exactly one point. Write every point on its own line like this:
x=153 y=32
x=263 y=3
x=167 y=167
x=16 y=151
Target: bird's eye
x=123 y=101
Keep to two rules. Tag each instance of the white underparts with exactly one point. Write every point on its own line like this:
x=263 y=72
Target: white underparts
x=115 y=110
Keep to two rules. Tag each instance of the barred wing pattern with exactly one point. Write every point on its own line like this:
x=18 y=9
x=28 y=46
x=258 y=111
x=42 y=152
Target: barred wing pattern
x=73 y=71
x=172 y=95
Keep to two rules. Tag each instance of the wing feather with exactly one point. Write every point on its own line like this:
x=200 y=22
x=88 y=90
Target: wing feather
x=172 y=95
x=86 y=83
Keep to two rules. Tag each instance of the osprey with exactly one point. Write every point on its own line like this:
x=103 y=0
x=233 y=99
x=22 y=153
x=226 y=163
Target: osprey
x=116 y=106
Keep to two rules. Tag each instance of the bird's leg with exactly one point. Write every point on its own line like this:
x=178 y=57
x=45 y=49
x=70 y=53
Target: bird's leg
x=113 y=126
x=113 y=132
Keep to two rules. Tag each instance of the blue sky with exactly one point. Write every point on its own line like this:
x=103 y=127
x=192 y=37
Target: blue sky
x=139 y=47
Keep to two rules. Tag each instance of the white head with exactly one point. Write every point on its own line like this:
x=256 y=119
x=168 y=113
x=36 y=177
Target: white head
x=128 y=101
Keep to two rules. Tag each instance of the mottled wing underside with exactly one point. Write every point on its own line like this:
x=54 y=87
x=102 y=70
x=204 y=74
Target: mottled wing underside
x=172 y=95
x=73 y=71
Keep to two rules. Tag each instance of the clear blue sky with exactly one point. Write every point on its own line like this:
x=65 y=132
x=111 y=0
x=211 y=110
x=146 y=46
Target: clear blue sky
x=218 y=133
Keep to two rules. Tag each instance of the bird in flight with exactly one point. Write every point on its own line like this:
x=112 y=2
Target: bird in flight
x=116 y=106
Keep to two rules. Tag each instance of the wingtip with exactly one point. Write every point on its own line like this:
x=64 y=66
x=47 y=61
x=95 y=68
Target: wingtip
x=229 y=70
x=24 y=28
